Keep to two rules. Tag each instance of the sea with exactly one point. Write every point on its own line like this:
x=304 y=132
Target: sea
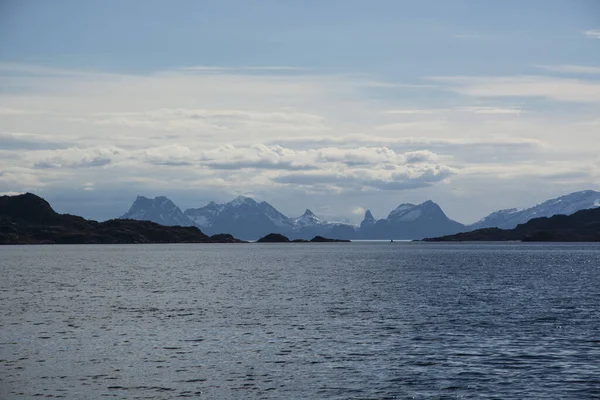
x=368 y=320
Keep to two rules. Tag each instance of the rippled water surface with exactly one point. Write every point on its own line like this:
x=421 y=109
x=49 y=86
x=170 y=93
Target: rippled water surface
x=359 y=320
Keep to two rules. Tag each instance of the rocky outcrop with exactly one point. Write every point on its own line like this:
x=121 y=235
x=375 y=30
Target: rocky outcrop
x=273 y=238
x=321 y=239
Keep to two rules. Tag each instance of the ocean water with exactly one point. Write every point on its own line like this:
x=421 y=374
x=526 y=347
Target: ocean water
x=287 y=321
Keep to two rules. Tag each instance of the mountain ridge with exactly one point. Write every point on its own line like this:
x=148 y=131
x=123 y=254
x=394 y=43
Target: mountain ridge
x=565 y=205
x=250 y=219
x=246 y=218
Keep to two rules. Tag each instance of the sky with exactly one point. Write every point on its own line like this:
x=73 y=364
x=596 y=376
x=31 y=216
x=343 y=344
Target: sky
x=336 y=106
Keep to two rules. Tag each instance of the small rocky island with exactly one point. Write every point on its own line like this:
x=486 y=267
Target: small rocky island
x=29 y=219
x=582 y=226
x=279 y=238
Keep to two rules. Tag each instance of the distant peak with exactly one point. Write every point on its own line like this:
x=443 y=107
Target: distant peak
x=242 y=200
x=308 y=213
x=428 y=203
x=369 y=219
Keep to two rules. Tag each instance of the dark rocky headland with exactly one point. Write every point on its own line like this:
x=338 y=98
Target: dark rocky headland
x=582 y=226
x=29 y=219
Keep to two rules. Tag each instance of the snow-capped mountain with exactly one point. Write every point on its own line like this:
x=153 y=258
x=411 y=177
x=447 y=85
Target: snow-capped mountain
x=242 y=216
x=159 y=209
x=568 y=204
x=204 y=216
x=405 y=212
x=246 y=218
x=308 y=219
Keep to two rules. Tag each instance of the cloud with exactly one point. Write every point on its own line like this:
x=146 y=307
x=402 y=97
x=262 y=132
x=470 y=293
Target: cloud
x=206 y=119
x=561 y=89
x=593 y=33
x=571 y=69
x=359 y=211
x=74 y=157
x=397 y=178
x=257 y=156
x=27 y=141
x=447 y=144
x=490 y=110
x=172 y=154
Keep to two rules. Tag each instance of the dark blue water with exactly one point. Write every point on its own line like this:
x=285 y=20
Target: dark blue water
x=333 y=321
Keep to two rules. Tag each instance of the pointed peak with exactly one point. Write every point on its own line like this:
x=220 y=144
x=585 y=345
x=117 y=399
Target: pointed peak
x=369 y=215
x=429 y=203
x=308 y=213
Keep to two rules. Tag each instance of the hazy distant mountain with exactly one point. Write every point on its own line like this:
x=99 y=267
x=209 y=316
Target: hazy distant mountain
x=368 y=221
x=160 y=210
x=568 y=204
x=246 y=218
x=243 y=215
x=410 y=221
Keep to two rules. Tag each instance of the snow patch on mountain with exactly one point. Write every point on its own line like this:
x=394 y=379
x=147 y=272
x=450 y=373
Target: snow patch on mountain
x=566 y=205
x=308 y=219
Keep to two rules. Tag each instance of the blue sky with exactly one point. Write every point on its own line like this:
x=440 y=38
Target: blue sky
x=333 y=105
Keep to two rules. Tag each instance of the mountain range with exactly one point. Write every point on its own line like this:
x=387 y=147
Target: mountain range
x=248 y=219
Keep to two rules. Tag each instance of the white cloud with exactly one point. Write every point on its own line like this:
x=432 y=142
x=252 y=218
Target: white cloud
x=211 y=120
x=593 y=33
x=562 y=89
x=572 y=69
x=397 y=178
x=74 y=157
x=491 y=110
x=359 y=211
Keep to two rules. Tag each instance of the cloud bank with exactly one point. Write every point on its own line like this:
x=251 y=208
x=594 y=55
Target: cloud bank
x=293 y=134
